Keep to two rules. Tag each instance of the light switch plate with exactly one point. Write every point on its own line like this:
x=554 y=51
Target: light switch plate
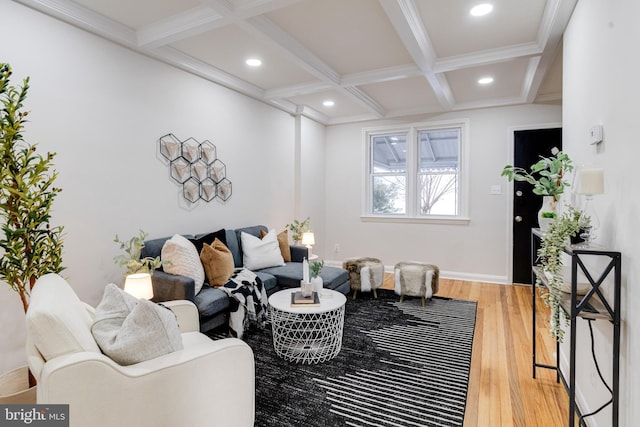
x=496 y=189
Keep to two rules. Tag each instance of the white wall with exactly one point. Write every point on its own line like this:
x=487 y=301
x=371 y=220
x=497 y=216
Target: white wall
x=477 y=250
x=311 y=201
x=102 y=108
x=601 y=69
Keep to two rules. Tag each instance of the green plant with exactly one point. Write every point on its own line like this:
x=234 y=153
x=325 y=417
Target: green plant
x=32 y=247
x=297 y=228
x=316 y=267
x=550 y=255
x=546 y=175
x=130 y=260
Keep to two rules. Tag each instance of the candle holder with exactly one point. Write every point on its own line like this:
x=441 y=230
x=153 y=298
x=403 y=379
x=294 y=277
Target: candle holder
x=306 y=288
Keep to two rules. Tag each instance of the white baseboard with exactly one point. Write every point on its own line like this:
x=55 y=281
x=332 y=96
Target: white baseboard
x=454 y=275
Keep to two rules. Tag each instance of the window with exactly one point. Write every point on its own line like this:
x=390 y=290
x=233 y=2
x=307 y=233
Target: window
x=415 y=171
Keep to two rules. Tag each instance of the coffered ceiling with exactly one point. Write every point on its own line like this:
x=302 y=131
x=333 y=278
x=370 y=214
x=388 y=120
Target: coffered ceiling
x=373 y=58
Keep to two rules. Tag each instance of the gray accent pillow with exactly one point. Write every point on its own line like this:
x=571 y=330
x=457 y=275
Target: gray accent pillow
x=130 y=331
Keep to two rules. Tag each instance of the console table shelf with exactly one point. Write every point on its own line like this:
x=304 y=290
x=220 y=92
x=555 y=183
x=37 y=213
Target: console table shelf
x=594 y=310
x=593 y=305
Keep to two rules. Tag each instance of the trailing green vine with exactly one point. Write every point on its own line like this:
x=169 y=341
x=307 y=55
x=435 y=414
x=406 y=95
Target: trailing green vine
x=550 y=254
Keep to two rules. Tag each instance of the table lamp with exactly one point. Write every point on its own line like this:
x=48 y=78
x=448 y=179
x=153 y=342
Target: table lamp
x=308 y=239
x=139 y=285
x=590 y=183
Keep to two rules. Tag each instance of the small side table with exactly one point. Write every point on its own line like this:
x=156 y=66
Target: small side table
x=307 y=334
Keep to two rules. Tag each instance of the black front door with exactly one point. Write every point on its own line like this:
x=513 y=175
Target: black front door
x=529 y=145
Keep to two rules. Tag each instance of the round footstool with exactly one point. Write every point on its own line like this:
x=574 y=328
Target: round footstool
x=365 y=274
x=416 y=279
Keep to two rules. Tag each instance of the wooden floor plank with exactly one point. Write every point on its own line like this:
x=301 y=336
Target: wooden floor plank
x=502 y=391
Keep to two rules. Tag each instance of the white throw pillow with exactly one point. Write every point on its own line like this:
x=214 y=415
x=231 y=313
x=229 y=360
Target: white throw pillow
x=261 y=253
x=58 y=322
x=183 y=259
x=130 y=331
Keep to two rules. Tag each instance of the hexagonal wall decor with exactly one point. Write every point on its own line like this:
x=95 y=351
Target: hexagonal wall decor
x=208 y=152
x=208 y=190
x=180 y=169
x=224 y=189
x=196 y=167
x=191 y=150
x=218 y=171
x=170 y=147
x=199 y=170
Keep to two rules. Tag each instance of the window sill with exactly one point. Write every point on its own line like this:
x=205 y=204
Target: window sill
x=445 y=220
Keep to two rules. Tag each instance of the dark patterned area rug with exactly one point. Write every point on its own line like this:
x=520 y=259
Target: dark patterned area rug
x=400 y=365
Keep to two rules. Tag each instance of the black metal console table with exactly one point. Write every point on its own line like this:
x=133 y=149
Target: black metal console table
x=592 y=306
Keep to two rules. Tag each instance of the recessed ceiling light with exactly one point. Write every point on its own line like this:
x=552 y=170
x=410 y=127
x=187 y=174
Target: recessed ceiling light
x=328 y=103
x=253 y=62
x=485 y=80
x=481 y=9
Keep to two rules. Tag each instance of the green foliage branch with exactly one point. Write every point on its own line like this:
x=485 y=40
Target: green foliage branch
x=546 y=175
x=298 y=227
x=316 y=267
x=130 y=260
x=32 y=247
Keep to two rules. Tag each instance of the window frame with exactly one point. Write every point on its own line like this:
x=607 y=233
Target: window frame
x=412 y=195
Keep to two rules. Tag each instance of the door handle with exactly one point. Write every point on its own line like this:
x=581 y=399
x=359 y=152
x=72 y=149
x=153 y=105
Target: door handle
x=519 y=193
x=518 y=218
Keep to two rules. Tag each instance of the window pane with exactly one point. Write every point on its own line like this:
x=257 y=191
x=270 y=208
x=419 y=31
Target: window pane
x=389 y=153
x=438 y=194
x=438 y=175
x=388 y=195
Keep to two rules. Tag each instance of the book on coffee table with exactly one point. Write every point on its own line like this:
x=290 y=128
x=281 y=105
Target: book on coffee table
x=299 y=300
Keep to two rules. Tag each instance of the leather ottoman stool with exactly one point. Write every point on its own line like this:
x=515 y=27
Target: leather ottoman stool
x=365 y=274
x=416 y=279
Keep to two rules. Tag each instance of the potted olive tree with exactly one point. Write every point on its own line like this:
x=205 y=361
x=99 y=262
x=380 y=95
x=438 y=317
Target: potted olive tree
x=31 y=246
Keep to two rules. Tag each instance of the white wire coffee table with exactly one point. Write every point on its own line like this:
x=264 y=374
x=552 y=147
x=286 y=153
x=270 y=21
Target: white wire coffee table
x=307 y=334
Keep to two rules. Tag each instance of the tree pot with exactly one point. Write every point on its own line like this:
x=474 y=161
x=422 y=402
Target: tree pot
x=14 y=387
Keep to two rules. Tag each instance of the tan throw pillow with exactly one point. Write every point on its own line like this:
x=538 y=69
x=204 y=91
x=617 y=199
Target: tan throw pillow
x=217 y=262
x=283 y=242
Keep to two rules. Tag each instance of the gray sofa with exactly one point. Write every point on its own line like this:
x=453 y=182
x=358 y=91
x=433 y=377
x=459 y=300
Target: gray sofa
x=213 y=303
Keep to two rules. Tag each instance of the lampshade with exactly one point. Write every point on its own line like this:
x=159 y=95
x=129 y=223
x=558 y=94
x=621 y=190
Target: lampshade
x=308 y=238
x=139 y=285
x=590 y=181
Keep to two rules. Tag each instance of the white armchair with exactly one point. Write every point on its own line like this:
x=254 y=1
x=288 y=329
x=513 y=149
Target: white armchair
x=208 y=383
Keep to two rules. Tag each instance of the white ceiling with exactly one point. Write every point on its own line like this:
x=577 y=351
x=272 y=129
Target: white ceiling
x=374 y=58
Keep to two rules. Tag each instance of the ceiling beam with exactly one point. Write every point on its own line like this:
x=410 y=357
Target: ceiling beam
x=405 y=18
x=264 y=27
x=210 y=15
x=86 y=19
x=177 y=27
x=555 y=19
x=487 y=57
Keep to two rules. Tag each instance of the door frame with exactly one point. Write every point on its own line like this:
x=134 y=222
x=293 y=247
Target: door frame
x=509 y=222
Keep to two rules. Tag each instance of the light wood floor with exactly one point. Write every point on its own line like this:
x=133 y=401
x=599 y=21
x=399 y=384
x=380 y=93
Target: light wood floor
x=502 y=391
